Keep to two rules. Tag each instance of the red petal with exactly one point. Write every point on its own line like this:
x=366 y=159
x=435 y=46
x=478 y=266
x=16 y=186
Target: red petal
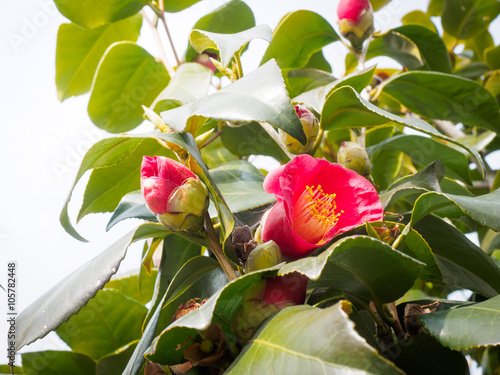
x=351 y=9
x=290 y=287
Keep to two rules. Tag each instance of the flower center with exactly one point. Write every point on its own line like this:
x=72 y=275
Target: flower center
x=314 y=214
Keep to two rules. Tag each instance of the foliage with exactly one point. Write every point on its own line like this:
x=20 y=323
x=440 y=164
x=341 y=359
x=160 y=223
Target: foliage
x=377 y=294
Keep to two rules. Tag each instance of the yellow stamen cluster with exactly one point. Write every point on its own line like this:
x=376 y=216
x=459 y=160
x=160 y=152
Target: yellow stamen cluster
x=314 y=214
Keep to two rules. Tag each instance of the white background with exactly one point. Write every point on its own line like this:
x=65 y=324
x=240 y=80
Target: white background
x=43 y=140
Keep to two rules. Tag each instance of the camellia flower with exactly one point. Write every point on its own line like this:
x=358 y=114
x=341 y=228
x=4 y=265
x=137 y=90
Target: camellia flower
x=173 y=193
x=316 y=200
x=310 y=125
x=355 y=21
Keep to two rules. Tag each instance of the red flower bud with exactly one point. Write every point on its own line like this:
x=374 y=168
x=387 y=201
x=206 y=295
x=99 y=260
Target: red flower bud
x=316 y=200
x=310 y=125
x=289 y=289
x=173 y=193
x=355 y=21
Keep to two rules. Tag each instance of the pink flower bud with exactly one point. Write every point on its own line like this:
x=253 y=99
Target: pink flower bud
x=286 y=290
x=310 y=125
x=204 y=59
x=355 y=21
x=173 y=193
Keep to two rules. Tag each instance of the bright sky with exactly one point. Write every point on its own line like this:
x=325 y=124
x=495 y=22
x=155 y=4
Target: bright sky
x=44 y=140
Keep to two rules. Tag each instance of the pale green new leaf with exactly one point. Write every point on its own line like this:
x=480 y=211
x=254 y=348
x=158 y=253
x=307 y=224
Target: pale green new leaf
x=79 y=51
x=227 y=44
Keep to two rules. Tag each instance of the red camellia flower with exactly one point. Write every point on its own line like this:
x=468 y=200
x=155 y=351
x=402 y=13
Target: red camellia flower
x=173 y=193
x=316 y=200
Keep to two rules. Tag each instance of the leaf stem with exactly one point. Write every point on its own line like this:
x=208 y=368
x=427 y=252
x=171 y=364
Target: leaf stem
x=317 y=142
x=163 y=57
x=217 y=249
x=237 y=58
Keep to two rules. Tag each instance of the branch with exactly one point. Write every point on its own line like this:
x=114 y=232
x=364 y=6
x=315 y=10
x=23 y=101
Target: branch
x=164 y=21
x=163 y=57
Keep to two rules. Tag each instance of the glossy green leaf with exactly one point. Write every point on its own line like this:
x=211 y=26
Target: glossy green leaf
x=423 y=151
x=462 y=263
x=453 y=98
x=386 y=166
x=115 y=363
x=93 y=13
x=484 y=209
x=362 y=266
x=316 y=97
x=131 y=286
x=390 y=44
x=231 y=17
x=132 y=205
x=435 y=8
x=190 y=83
x=465 y=18
x=5 y=369
x=431 y=47
x=427 y=179
x=379 y=4
x=241 y=186
x=344 y=108
x=127 y=78
x=299 y=35
x=108 y=321
x=492 y=57
x=50 y=362
x=107 y=185
x=479 y=43
x=309 y=340
x=258 y=96
x=466 y=327
x=415 y=246
x=79 y=51
x=67 y=297
x=251 y=139
x=306 y=79
x=417 y=17
x=227 y=44
x=473 y=71
x=220 y=308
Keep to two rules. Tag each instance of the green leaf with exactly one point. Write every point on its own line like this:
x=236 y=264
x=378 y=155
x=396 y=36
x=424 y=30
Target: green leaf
x=131 y=286
x=309 y=340
x=50 y=362
x=259 y=96
x=417 y=17
x=220 y=308
x=386 y=166
x=423 y=151
x=108 y=321
x=484 y=209
x=190 y=83
x=115 y=363
x=93 y=13
x=67 y=297
x=231 y=17
x=344 y=108
x=227 y=44
x=173 y=6
x=5 y=369
x=465 y=18
x=462 y=263
x=479 y=44
x=127 y=78
x=299 y=35
x=79 y=51
x=390 y=44
x=466 y=327
x=316 y=97
x=492 y=56
x=362 y=266
x=435 y=8
x=302 y=80
x=473 y=71
x=427 y=179
x=431 y=47
x=241 y=186
x=132 y=205
x=251 y=139
x=107 y=185
x=453 y=98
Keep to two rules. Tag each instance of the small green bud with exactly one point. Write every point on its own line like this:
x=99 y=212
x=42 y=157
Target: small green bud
x=263 y=256
x=353 y=156
x=207 y=346
x=310 y=125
